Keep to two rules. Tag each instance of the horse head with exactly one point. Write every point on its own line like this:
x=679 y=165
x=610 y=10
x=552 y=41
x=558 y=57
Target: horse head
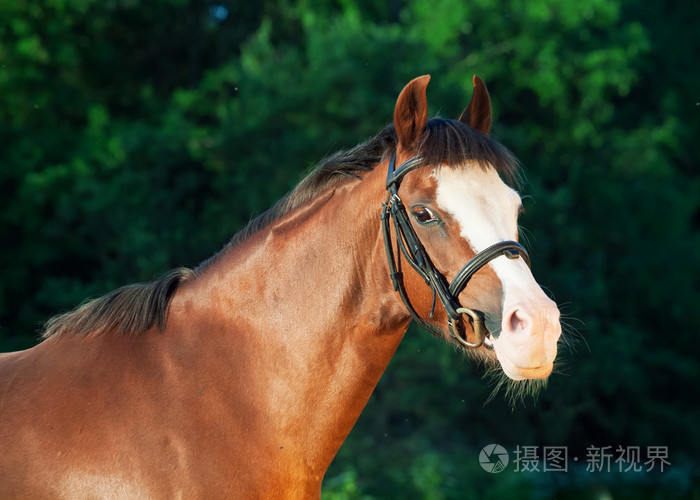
x=451 y=205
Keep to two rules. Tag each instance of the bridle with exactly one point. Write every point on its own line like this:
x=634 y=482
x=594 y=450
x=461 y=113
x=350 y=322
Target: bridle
x=414 y=252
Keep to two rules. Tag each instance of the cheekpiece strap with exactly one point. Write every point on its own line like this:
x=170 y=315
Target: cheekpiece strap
x=394 y=175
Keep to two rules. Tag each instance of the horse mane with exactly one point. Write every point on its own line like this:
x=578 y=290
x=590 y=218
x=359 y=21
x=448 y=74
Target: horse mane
x=444 y=142
x=136 y=308
x=131 y=309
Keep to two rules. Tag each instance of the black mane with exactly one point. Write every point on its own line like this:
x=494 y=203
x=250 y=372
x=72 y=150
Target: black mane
x=444 y=142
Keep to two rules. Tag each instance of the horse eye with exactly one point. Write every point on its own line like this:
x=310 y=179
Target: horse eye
x=423 y=215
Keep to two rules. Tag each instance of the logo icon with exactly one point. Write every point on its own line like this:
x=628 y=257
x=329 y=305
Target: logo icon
x=493 y=458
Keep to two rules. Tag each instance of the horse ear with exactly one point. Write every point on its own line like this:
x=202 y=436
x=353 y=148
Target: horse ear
x=411 y=112
x=478 y=113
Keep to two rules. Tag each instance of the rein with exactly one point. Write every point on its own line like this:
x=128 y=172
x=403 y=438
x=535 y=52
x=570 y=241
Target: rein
x=412 y=249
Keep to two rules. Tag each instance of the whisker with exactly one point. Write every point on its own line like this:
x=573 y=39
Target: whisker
x=526 y=236
x=567 y=309
x=571 y=336
x=560 y=367
x=515 y=391
x=549 y=293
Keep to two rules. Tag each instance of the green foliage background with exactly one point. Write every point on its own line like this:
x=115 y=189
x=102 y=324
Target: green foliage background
x=139 y=136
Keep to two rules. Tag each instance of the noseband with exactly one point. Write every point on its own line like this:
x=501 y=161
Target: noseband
x=414 y=252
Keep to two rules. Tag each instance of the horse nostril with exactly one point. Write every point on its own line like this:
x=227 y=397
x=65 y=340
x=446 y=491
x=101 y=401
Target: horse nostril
x=518 y=321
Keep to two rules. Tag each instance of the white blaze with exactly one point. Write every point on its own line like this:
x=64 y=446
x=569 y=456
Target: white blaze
x=487 y=212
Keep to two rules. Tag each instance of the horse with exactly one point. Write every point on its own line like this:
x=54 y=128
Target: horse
x=242 y=378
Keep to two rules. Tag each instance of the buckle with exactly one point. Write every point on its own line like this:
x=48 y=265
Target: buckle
x=477 y=320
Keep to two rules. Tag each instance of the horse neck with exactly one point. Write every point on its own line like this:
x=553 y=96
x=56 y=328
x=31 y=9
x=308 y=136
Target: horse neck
x=307 y=313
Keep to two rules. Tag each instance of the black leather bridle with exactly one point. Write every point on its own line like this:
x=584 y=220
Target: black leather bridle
x=414 y=252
